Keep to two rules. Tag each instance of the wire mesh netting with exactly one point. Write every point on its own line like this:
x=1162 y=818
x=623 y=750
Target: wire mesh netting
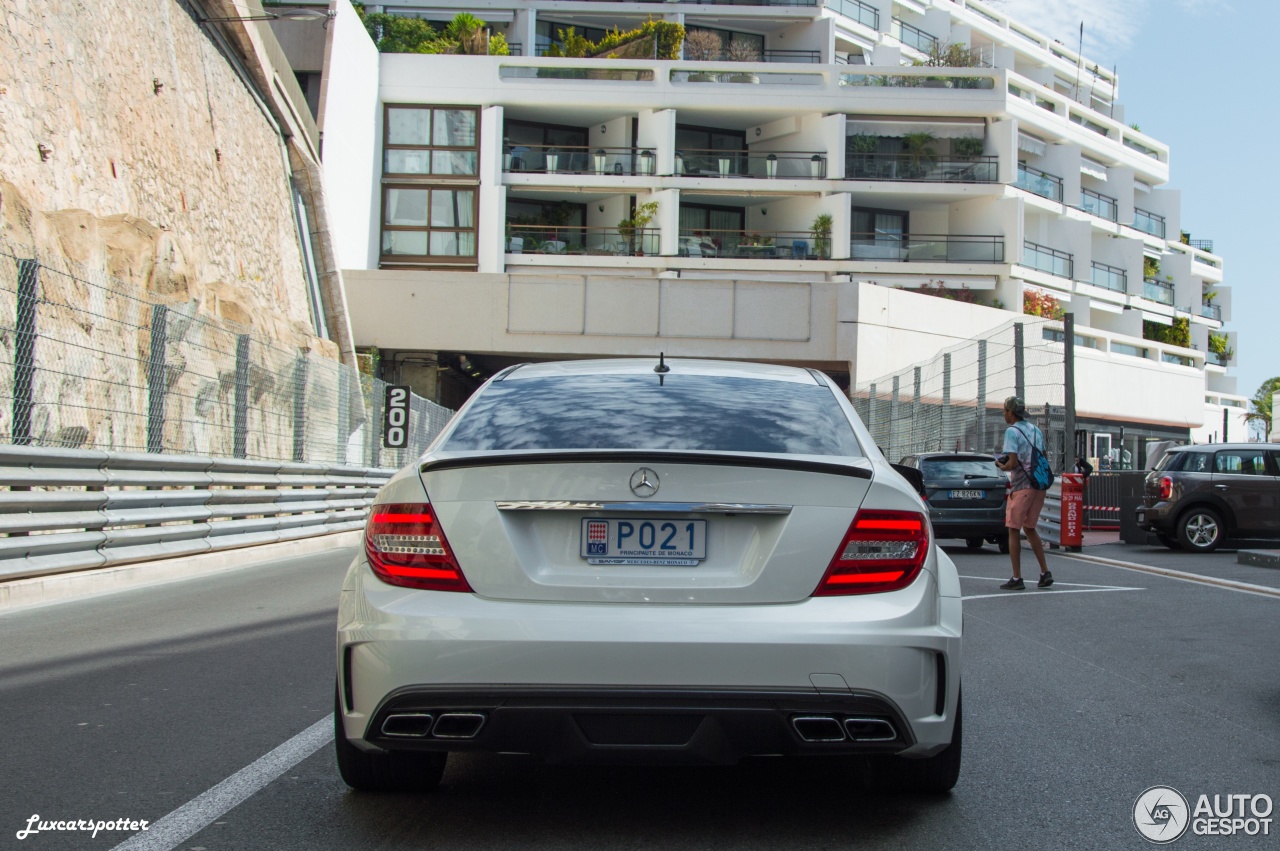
x=953 y=402
x=88 y=361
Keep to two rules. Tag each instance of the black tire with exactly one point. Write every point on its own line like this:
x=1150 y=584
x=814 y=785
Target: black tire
x=1200 y=530
x=973 y=543
x=1168 y=540
x=385 y=771
x=935 y=775
x=1003 y=544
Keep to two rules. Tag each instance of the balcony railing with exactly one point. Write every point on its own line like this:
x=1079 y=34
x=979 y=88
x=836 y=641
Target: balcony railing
x=1039 y=182
x=1202 y=244
x=1211 y=311
x=1148 y=222
x=551 y=239
x=1100 y=205
x=912 y=36
x=1157 y=291
x=1217 y=358
x=926 y=248
x=552 y=159
x=857 y=10
x=1047 y=259
x=900 y=167
x=1109 y=277
x=791 y=165
x=753 y=245
x=810 y=57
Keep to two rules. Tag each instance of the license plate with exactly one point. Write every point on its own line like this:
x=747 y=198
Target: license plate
x=643 y=540
x=966 y=494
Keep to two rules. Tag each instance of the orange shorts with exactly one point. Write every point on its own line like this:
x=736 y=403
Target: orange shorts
x=1023 y=508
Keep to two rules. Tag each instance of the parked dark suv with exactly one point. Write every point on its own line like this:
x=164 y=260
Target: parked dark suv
x=965 y=493
x=1197 y=496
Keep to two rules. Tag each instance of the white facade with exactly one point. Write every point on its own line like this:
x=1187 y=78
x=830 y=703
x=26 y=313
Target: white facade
x=520 y=253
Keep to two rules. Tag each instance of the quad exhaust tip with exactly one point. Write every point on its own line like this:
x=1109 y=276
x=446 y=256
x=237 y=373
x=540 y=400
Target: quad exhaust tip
x=408 y=725
x=827 y=728
x=458 y=725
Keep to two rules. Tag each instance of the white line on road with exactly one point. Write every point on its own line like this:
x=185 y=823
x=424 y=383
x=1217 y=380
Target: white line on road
x=1012 y=594
x=1056 y=583
x=1228 y=584
x=198 y=813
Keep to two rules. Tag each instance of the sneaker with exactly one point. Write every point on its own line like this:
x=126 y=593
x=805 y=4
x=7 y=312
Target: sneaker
x=1014 y=584
x=1046 y=579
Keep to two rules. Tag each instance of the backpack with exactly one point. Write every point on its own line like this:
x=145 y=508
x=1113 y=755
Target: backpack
x=1040 y=474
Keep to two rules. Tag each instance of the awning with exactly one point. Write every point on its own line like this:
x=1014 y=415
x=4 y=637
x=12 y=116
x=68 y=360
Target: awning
x=1031 y=145
x=942 y=128
x=1156 y=317
x=1092 y=168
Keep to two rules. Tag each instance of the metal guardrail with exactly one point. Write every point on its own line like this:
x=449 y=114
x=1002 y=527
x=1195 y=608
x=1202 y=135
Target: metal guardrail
x=69 y=509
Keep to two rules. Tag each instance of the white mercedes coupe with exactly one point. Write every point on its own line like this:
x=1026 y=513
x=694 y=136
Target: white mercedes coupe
x=654 y=561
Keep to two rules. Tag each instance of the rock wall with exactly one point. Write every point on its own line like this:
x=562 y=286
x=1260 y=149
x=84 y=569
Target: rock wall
x=129 y=145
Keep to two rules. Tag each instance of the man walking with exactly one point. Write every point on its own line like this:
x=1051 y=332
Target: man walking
x=1025 y=501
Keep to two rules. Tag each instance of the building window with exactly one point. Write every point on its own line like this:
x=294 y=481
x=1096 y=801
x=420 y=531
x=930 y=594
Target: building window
x=436 y=223
x=431 y=141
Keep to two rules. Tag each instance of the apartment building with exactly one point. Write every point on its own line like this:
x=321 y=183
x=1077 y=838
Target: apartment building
x=800 y=188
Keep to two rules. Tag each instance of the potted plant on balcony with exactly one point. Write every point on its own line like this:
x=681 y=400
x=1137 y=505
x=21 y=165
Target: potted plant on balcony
x=743 y=51
x=634 y=227
x=861 y=148
x=702 y=46
x=967 y=149
x=820 y=230
x=917 y=154
x=1218 y=344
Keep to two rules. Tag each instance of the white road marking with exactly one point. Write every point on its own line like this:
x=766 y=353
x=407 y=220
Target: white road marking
x=1055 y=582
x=1047 y=593
x=1226 y=584
x=198 y=813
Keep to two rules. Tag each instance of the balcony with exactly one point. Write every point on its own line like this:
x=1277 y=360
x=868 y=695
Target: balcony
x=753 y=245
x=926 y=248
x=1047 y=259
x=912 y=36
x=1160 y=292
x=1202 y=244
x=1211 y=311
x=548 y=159
x=897 y=167
x=1109 y=278
x=604 y=241
x=858 y=11
x=790 y=165
x=1102 y=206
x=1039 y=182
x=1217 y=358
x=1148 y=222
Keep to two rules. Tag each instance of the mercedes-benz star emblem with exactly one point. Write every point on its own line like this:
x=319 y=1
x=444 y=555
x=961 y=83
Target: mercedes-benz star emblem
x=644 y=482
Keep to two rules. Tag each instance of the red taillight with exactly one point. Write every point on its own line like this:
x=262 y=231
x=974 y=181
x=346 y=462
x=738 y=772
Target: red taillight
x=406 y=546
x=882 y=551
x=1166 y=487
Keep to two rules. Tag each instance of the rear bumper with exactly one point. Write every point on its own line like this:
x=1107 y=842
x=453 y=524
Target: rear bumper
x=678 y=726
x=967 y=523
x=899 y=650
x=1156 y=518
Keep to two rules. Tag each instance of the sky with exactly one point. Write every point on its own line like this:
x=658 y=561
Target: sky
x=1195 y=75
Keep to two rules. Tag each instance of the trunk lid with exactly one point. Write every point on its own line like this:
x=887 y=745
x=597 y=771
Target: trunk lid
x=772 y=525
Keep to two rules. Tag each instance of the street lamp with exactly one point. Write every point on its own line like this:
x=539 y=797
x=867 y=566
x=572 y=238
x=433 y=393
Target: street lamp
x=304 y=14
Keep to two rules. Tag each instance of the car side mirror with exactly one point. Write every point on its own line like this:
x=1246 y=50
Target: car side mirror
x=913 y=476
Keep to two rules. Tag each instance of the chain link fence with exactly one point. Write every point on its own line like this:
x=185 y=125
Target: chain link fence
x=88 y=361
x=953 y=402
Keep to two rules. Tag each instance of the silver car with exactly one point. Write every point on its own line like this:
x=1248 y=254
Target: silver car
x=638 y=560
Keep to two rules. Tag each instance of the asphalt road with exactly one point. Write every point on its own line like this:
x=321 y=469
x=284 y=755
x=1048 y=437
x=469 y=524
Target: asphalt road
x=1077 y=699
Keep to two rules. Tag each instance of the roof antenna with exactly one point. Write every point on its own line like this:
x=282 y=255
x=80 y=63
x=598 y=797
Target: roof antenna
x=662 y=369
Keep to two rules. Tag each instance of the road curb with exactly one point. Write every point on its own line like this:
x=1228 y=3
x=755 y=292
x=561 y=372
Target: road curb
x=42 y=590
x=1231 y=584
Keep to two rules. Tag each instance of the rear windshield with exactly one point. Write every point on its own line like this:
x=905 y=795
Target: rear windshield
x=686 y=412
x=957 y=468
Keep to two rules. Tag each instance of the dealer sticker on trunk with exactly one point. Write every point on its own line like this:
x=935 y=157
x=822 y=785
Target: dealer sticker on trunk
x=642 y=540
